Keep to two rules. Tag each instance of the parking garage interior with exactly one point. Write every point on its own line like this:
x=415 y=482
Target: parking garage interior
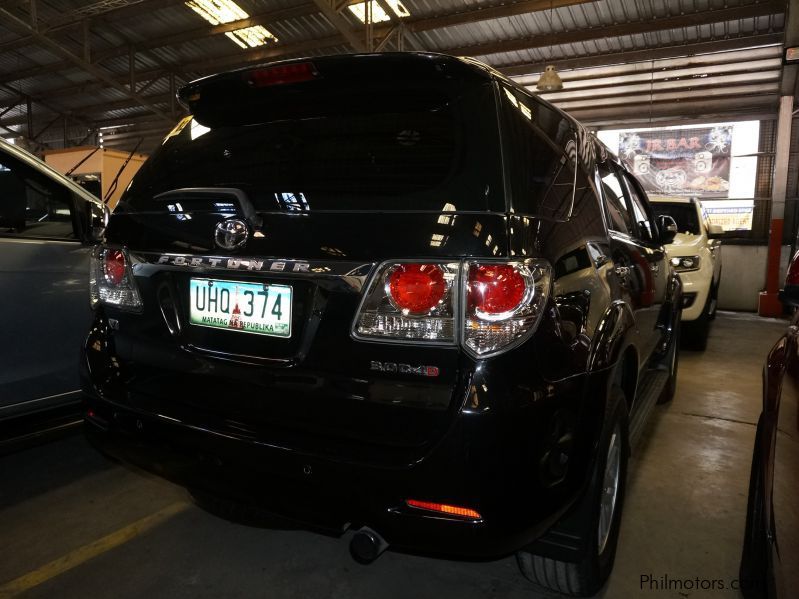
x=697 y=99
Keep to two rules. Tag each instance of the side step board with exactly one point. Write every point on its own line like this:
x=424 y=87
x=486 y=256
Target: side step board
x=649 y=389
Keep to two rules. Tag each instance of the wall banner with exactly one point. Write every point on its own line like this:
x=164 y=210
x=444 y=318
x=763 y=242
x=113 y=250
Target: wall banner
x=690 y=162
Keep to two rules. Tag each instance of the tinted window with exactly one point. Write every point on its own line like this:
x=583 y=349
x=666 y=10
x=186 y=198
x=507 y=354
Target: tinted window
x=613 y=194
x=31 y=204
x=348 y=149
x=541 y=157
x=637 y=201
x=683 y=214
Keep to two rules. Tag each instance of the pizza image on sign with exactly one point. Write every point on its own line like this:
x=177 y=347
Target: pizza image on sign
x=693 y=162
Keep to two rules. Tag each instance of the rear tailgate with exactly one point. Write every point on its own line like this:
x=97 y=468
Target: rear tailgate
x=329 y=186
x=319 y=388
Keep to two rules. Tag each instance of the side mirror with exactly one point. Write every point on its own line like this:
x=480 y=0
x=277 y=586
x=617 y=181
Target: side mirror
x=714 y=231
x=98 y=221
x=668 y=229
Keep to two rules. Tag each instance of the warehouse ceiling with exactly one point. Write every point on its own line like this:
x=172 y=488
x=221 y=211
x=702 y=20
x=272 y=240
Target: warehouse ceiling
x=73 y=72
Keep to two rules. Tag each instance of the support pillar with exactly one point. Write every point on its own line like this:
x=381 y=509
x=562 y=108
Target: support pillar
x=769 y=303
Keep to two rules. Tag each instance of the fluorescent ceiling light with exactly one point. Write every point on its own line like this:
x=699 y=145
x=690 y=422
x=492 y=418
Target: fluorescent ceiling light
x=217 y=12
x=378 y=14
x=251 y=37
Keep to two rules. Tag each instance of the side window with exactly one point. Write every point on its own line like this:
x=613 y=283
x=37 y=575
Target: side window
x=542 y=157
x=646 y=230
x=31 y=204
x=613 y=194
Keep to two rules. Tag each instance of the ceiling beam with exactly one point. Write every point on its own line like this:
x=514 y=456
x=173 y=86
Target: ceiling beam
x=341 y=24
x=669 y=97
x=595 y=86
x=489 y=13
x=706 y=17
x=698 y=110
x=93 y=70
x=78 y=17
x=721 y=49
x=682 y=86
x=412 y=25
x=424 y=24
x=647 y=54
x=399 y=29
x=645 y=74
x=198 y=33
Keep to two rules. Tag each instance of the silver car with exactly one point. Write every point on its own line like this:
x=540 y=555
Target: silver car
x=48 y=225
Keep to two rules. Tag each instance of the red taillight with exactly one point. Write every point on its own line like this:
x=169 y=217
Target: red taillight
x=281 y=74
x=417 y=288
x=495 y=288
x=443 y=508
x=114 y=266
x=793 y=271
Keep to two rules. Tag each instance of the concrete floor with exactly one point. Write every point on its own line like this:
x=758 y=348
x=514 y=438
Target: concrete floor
x=75 y=525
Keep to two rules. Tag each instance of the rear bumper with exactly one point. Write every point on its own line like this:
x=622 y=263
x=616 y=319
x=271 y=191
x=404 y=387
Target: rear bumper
x=317 y=494
x=518 y=450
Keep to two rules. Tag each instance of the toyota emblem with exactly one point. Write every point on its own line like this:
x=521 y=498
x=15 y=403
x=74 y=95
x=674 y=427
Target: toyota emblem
x=231 y=234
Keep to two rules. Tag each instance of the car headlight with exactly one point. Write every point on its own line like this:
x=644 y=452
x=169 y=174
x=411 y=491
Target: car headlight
x=685 y=263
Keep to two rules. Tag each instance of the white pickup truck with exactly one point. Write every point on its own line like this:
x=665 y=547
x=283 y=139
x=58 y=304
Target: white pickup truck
x=695 y=254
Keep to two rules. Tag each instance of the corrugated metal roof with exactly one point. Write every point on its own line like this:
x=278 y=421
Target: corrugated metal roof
x=537 y=39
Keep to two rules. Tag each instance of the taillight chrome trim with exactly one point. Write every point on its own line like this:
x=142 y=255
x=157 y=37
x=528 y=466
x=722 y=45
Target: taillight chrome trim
x=378 y=277
x=531 y=285
x=460 y=302
x=98 y=281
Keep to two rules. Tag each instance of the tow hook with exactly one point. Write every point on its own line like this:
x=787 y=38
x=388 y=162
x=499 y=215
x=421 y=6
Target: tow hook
x=367 y=545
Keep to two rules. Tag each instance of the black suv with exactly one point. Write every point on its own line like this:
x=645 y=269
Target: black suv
x=391 y=294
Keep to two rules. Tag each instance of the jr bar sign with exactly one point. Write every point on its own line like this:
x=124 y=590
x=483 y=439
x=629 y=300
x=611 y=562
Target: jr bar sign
x=693 y=162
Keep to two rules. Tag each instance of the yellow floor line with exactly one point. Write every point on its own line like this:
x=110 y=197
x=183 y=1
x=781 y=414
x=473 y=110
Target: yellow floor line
x=83 y=554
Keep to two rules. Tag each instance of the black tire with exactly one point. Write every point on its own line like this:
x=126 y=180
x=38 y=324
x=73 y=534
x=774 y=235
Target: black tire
x=671 y=361
x=714 y=297
x=587 y=576
x=696 y=332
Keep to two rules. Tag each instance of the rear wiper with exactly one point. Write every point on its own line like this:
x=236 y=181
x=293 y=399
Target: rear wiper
x=245 y=205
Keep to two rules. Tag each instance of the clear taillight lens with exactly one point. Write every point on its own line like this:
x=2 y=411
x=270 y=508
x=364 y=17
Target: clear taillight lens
x=410 y=301
x=503 y=304
x=487 y=306
x=111 y=280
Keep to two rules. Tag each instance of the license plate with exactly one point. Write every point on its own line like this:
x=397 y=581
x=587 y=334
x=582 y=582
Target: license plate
x=238 y=306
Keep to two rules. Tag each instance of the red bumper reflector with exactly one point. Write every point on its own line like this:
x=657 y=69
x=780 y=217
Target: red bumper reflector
x=443 y=508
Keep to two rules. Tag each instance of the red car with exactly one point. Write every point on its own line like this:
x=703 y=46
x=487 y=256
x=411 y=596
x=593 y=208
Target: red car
x=770 y=561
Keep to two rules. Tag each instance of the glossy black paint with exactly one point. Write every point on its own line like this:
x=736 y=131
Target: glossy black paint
x=771 y=540
x=305 y=428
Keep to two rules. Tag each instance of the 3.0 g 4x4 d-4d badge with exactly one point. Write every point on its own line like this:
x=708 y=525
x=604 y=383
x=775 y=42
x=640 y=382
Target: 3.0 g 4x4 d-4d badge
x=231 y=234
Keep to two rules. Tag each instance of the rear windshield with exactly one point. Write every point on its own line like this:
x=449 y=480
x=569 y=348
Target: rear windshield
x=683 y=214
x=384 y=148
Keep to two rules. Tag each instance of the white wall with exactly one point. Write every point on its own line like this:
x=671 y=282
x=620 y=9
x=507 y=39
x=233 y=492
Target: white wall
x=743 y=275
